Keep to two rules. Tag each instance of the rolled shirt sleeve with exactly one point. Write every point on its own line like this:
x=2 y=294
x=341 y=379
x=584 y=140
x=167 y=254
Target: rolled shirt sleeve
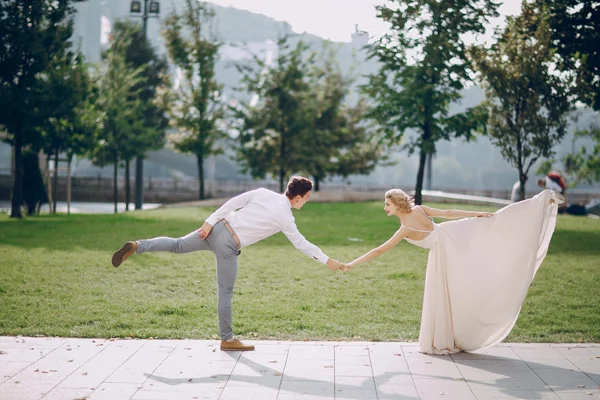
x=291 y=232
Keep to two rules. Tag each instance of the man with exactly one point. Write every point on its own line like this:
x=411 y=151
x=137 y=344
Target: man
x=555 y=181
x=240 y=222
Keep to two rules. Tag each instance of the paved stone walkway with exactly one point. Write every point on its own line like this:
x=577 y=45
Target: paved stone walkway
x=63 y=369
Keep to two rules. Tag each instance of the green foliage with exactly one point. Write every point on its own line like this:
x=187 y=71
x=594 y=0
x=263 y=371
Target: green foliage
x=342 y=142
x=528 y=105
x=139 y=53
x=271 y=131
x=31 y=34
x=195 y=106
x=584 y=166
x=301 y=118
x=424 y=66
x=575 y=33
x=118 y=99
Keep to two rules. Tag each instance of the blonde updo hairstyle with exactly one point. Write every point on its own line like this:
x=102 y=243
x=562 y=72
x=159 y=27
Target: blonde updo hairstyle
x=400 y=200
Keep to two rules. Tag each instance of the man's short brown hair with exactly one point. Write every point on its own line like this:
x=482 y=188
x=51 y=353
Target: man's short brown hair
x=298 y=186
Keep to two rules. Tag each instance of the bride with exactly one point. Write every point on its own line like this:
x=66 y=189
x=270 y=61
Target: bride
x=479 y=269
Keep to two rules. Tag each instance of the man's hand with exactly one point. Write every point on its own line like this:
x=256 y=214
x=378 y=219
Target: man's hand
x=205 y=230
x=347 y=267
x=334 y=265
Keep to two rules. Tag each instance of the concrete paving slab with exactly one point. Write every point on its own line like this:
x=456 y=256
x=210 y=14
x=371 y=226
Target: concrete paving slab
x=68 y=368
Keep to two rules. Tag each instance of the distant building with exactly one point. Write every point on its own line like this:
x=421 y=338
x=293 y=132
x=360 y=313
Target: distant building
x=359 y=38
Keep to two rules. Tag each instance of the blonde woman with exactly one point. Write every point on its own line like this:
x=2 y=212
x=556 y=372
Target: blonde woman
x=479 y=269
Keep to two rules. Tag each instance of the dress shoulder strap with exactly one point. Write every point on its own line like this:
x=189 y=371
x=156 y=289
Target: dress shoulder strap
x=420 y=230
x=423 y=211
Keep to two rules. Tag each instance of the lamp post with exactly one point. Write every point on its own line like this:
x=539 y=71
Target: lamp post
x=148 y=9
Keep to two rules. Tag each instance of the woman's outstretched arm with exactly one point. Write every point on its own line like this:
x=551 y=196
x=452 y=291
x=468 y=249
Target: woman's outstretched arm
x=376 y=252
x=436 y=212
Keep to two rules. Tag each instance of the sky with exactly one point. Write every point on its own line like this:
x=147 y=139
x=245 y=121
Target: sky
x=336 y=18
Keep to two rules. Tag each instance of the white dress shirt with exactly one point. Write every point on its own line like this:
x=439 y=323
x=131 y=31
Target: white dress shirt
x=550 y=184
x=260 y=214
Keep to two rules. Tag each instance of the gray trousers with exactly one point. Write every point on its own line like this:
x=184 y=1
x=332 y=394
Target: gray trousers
x=226 y=252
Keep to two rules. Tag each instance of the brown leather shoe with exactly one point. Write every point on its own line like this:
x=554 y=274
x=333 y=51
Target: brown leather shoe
x=123 y=253
x=236 y=345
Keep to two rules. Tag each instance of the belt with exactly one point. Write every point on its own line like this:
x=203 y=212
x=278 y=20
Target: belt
x=232 y=232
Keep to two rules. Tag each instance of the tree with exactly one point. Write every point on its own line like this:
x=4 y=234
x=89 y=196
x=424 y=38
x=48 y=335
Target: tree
x=122 y=112
x=195 y=104
x=69 y=119
x=580 y=165
x=575 y=31
x=584 y=166
x=271 y=130
x=31 y=32
x=527 y=104
x=342 y=143
x=139 y=53
x=424 y=67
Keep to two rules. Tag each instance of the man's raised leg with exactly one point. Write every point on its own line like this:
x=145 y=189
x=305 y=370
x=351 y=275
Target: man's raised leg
x=185 y=244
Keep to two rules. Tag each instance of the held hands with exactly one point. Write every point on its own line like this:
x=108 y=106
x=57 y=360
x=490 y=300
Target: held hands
x=347 y=267
x=334 y=265
x=205 y=230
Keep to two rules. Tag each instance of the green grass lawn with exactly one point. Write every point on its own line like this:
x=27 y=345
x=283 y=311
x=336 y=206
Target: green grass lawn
x=56 y=279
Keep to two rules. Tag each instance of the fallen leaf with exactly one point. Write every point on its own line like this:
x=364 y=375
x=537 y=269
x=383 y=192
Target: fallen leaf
x=69 y=360
x=189 y=380
x=398 y=354
x=37 y=370
x=85 y=373
x=273 y=362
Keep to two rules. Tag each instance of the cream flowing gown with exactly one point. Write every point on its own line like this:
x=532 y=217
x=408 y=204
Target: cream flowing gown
x=478 y=274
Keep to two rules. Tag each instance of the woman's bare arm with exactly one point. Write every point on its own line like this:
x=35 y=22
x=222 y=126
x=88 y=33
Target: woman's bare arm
x=436 y=212
x=376 y=252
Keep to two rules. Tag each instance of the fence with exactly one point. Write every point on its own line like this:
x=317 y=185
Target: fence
x=174 y=190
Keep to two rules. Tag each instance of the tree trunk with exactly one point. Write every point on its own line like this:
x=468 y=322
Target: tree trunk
x=127 y=186
x=420 y=173
x=55 y=188
x=281 y=162
x=139 y=182
x=48 y=179
x=69 y=185
x=429 y=172
x=115 y=199
x=317 y=180
x=17 y=194
x=200 y=162
x=522 y=180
